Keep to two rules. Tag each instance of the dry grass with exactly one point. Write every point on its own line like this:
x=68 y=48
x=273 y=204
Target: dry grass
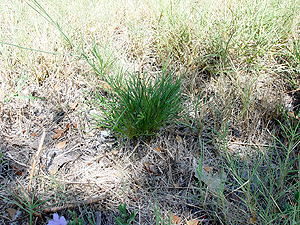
x=239 y=62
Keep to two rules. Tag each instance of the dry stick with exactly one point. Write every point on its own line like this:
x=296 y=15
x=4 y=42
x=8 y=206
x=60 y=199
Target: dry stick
x=35 y=160
x=73 y=205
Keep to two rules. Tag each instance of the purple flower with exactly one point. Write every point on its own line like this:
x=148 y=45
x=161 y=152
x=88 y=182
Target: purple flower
x=57 y=220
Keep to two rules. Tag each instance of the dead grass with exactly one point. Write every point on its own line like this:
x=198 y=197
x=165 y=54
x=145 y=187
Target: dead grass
x=240 y=73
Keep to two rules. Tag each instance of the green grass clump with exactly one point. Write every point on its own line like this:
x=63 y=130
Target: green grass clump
x=140 y=106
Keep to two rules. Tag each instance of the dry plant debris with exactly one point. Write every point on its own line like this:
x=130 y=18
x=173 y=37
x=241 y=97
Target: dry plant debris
x=240 y=81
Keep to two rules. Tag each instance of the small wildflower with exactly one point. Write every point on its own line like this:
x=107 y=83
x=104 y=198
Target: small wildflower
x=57 y=220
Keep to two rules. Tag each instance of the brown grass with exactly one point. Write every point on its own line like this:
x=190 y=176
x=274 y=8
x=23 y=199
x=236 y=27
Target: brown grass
x=237 y=80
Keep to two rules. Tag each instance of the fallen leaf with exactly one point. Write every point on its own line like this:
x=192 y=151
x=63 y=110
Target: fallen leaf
x=91 y=134
x=58 y=131
x=158 y=149
x=175 y=219
x=11 y=212
x=192 y=222
x=61 y=145
x=16 y=170
x=53 y=171
x=253 y=220
x=74 y=105
x=33 y=134
x=176 y=185
x=233 y=140
x=179 y=139
x=75 y=125
x=136 y=198
x=203 y=217
x=57 y=136
x=147 y=164
x=150 y=168
x=132 y=190
x=67 y=127
x=291 y=114
x=115 y=152
x=208 y=169
x=106 y=86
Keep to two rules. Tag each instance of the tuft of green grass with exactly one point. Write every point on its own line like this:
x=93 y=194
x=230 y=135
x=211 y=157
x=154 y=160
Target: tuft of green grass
x=32 y=203
x=139 y=107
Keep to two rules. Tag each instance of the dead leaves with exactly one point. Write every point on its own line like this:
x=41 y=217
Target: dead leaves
x=193 y=222
x=158 y=149
x=253 y=220
x=208 y=169
x=106 y=86
x=61 y=145
x=11 y=212
x=60 y=133
x=16 y=170
x=74 y=105
x=175 y=219
x=176 y=185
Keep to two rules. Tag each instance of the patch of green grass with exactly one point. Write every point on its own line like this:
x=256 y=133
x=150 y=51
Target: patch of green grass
x=234 y=44
x=139 y=107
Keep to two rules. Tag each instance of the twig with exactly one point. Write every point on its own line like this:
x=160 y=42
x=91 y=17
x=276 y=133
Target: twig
x=35 y=160
x=73 y=205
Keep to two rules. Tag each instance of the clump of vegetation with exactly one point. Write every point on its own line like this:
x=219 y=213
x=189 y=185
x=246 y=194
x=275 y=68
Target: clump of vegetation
x=141 y=106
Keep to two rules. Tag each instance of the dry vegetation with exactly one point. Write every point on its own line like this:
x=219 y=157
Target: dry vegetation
x=232 y=157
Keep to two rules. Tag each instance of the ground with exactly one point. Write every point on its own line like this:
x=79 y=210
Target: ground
x=231 y=156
